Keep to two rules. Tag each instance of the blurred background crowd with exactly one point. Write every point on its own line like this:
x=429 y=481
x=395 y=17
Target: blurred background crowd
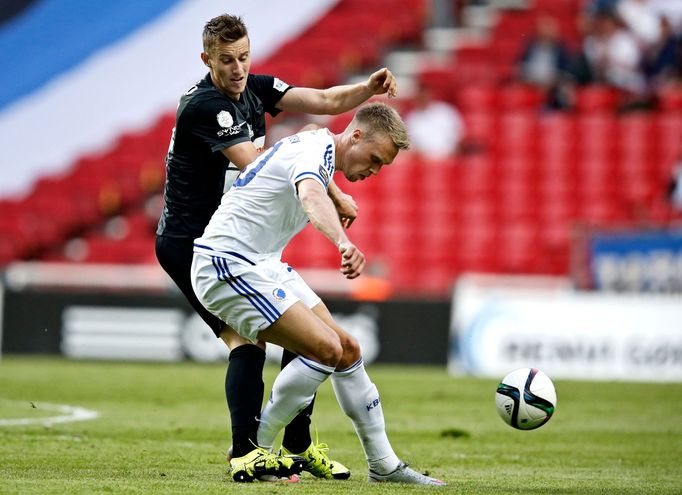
x=534 y=123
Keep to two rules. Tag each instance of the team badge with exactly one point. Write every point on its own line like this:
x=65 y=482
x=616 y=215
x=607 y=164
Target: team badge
x=324 y=174
x=279 y=294
x=279 y=85
x=225 y=119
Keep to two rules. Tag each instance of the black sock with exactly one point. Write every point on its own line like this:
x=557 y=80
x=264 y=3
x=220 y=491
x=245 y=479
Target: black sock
x=244 y=393
x=297 y=433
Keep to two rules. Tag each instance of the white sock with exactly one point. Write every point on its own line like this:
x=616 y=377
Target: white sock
x=359 y=399
x=294 y=388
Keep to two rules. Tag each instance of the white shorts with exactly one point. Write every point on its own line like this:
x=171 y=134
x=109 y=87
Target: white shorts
x=248 y=295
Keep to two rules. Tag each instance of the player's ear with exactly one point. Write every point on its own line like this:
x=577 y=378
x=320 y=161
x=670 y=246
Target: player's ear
x=205 y=59
x=355 y=136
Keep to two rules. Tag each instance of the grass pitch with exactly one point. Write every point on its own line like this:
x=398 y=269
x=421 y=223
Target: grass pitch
x=163 y=428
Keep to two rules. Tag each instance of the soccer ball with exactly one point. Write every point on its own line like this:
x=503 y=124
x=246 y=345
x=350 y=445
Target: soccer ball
x=525 y=398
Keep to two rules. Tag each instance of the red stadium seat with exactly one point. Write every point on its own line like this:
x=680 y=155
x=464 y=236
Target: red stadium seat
x=590 y=99
x=518 y=248
x=480 y=129
x=668 y=132
x=441 y=82
x=520 y=97
x=405 y=22
x=516 y=201
x=670 y=98
x=517 y=134
x=514 y=24
x=477 y=249
x=477 y=98
x=475 y=66
x=473 y=54
x=17 y=235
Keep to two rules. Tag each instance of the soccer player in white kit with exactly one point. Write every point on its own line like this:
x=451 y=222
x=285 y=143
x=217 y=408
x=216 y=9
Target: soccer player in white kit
x=238 y=274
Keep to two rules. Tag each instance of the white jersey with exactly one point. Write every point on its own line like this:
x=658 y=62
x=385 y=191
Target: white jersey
x=261 y=212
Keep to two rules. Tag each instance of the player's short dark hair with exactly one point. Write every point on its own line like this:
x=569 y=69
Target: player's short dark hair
x=224 y=28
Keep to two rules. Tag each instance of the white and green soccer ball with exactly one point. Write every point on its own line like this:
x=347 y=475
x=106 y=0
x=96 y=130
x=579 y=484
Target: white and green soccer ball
x=526 y=398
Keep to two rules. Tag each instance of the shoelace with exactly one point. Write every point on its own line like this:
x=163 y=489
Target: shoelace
x=323 y=448
x=263 y=451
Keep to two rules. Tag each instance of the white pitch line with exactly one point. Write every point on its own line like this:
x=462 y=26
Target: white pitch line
x=68 y=414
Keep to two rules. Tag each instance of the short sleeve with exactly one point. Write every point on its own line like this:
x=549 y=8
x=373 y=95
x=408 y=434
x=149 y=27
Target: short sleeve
x=315 y=160
x=269 y=90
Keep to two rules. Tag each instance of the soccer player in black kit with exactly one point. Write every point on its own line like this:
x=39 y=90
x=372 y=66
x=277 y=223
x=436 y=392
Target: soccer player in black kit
x=219 y=129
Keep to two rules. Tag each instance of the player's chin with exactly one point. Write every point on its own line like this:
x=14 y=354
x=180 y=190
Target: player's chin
x=238 y=85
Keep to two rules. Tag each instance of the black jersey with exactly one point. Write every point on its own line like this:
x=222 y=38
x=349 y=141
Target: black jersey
x=206 y=122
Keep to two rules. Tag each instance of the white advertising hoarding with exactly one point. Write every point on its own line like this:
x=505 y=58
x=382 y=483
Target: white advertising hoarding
x=499 y=325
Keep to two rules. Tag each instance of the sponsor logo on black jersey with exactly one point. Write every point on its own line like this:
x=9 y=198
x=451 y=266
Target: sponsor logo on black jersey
x=231 y=131
x=225 y=119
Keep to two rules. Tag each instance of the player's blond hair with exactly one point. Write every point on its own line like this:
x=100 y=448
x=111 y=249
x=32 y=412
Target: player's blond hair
x=379 y=118
x=224 y=28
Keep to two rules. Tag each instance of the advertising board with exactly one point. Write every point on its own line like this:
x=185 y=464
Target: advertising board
x=497 y=327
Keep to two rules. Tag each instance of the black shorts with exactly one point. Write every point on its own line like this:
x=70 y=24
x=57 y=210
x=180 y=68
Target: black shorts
x=175 y=257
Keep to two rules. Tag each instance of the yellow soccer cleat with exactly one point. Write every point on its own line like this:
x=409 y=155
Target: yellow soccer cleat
x=319 y=463
x=259 y=464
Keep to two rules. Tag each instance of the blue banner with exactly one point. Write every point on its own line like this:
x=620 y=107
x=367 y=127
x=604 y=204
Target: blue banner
x=642 y=261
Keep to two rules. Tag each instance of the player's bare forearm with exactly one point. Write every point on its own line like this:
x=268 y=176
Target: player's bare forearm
x=346 y=207
x=339 y=99
x=349 y=96
x=321 y=213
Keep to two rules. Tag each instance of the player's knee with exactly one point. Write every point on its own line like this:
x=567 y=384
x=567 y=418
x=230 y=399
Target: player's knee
x=351 y=351
x=330 y=351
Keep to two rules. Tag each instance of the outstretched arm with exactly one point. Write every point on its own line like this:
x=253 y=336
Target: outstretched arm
x=321 y=213
x=338 y=99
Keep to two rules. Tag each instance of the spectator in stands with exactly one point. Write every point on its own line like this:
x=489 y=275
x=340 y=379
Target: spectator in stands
x=672 y=11
x=594 y=7
x=663 y=59
x=611 y=55
x=545 y=62
x=220 y=122
x=641 y=20
x=436 y=128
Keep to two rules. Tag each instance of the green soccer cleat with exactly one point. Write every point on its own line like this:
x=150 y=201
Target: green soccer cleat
x=319 y=463
x=259 y=464
x=404 y=474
